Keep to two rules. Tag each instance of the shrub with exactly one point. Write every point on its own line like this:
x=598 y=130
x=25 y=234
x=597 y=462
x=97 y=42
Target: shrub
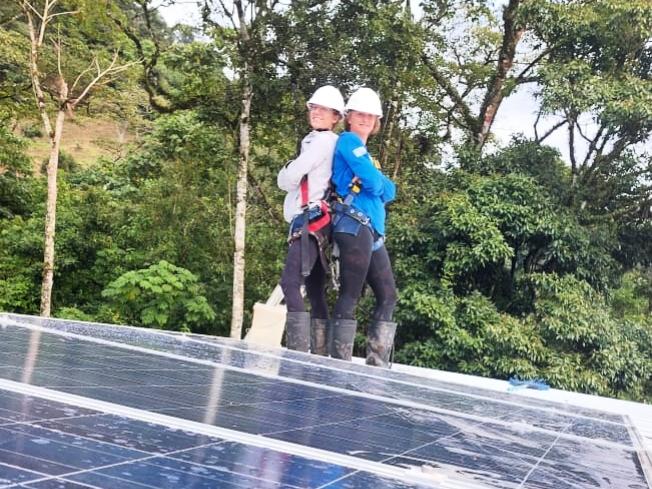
x=162 y=295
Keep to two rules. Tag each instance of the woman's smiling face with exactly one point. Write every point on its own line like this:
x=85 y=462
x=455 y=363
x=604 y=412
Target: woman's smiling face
x=322 y=117
x=361 y=123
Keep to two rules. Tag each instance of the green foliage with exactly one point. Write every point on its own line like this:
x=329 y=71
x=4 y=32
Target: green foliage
x=497 y=278
x=524 y=157
x=66 y=163
x=33 y=131
x=484 y=232
x=599 y=64
x=15 y=169
x=570 y=340
x=73 y=313
x=633 y=299
x=568 y=312
x=162 y=295
x=21 y=242
x=15 y=94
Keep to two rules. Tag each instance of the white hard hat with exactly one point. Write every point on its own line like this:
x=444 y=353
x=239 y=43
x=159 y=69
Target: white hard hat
x=365 y=100
x=328 y=96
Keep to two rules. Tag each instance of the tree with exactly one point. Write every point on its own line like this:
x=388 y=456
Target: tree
x=474 y=63
x=247 y=22
x=67 y=98
x=596 y=80
x=142 y=24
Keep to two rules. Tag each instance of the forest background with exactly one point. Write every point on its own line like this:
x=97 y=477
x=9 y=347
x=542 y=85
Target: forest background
x=509 y=259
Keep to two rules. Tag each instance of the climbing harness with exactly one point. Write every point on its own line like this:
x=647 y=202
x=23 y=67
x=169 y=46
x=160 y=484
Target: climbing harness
x=312 y=221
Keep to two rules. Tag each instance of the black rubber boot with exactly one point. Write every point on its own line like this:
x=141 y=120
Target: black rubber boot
x=297 y=331
x=319 y=336
x=380 y=342
x=343 y=332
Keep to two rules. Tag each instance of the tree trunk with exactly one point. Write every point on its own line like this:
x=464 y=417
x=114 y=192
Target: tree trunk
x=240 y=210
x=50 y=216
x=494 y=97
x=388 y=128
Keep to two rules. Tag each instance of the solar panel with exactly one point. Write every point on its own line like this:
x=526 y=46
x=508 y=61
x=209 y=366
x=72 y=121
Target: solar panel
x=86 y=405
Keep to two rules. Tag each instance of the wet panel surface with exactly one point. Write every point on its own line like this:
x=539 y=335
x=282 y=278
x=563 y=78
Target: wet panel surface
x=352 y=420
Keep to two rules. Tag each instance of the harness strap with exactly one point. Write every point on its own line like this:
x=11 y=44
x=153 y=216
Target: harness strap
x=304 y=191
x=305 y=237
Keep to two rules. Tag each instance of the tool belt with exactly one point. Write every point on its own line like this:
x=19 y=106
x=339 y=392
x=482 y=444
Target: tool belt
x=350 y=220
x=343 y=209
x=318 y=218
x=319 y=227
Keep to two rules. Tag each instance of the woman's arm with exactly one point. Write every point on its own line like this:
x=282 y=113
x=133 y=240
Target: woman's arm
x=316 y=150
x=389 y=190
x=356 y=156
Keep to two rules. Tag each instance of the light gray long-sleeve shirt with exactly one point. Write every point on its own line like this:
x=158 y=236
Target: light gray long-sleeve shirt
x=314 y=160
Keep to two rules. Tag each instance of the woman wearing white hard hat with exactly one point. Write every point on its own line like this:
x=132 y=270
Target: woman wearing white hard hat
x=359 y=232
x=306 y=180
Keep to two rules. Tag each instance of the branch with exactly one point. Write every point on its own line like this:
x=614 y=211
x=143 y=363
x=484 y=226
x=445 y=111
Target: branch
x=571 y=144
x=57 y=49
x=617 y=149
x=451 y=91
x=109 y=71
x=536 y=124
x=229 y=15
x=33 y=68
x=593 y=144
x=600 y=151
x=579 y=129
x=29 y=5
x=550 y=131
x=150 y=78
x=70 y=12
x=521 y=76
x=90 y=67
x=244 y=32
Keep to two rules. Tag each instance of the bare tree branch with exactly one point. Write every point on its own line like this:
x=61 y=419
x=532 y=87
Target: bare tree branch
x=109 y=71
x=34 y=74
x=592 y=145
x=70 y=12
x=79 y=77
x=579 y=130
x=536 y=124
x=458 y=102
x=520 y=78
x=228 y=14
x=550 y=131
x=29 y=6
x=57 y=49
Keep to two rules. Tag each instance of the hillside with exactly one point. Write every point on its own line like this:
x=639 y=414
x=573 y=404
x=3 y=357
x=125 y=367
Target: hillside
x=84 y=139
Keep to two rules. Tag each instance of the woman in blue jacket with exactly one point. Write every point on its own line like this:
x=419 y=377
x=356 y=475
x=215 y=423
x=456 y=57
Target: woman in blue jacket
x=359 y=232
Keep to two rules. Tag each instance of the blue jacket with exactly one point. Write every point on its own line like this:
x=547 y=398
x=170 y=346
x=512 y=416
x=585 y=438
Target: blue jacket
x=352 y=159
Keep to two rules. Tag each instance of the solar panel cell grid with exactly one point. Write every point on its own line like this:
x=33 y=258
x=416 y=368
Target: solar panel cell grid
x=227 y=415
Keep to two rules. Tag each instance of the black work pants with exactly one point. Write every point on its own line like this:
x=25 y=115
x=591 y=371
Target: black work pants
x=291 y=280
x=359 y=263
